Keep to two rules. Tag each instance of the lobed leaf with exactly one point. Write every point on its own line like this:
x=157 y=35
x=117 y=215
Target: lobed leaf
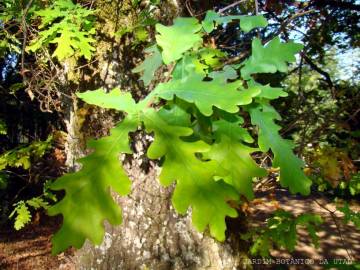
x=22 y=215
x=270 y=58
x=269 y=92
x=68 y=25
x=150 y=65
x=247 y=23
x=88 y=201
x=206 y=94
x=235 y=157
x=195 y=186
x=291 y=173
x=178 y=38
x=115 y=99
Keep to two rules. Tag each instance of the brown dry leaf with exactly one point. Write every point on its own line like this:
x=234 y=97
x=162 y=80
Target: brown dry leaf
x=257 y=201
x=59 y=155
x=347 y=165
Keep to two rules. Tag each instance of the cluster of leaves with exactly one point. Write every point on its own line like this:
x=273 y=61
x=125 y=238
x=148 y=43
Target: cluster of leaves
x=197 y=119
x=321 y=120
x=3 y=128
x=9 y=17
x=21 y=212
x=70 y=26
x=4 y=178
x=349 y=215
x=22 y=156
x=332 y=168
x=354 y=184
x=316 y=115
x=281 y=231
x=139 y=22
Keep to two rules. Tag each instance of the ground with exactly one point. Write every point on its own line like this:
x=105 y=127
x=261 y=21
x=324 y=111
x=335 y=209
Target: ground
x=336 y=240
x=31 y=248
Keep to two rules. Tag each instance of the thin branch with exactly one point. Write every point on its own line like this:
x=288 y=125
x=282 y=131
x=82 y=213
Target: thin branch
x=313 y=66
x=283 y=24
x=286 y=22
x=220 y=11
x=24 y=29
x=335 y=218
x=188 y=7
x=325 y=74
x=237 y=58
x=256 y=8
x=336 y=4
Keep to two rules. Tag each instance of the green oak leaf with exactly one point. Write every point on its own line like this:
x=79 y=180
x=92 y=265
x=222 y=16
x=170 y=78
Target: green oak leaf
x=150 y=65
x=175 y=116
x=64 y=44
x=206 y=94
x=44 y=38
x=270 y=58
x=69 y=40
x=247 y=23
x=115 y=99
x=188 y=64
x=211 y=57
x=195 y=186
x=58 y=10
x=38 y=202
x=178 y=38
x=291 y=173
x=232 y=129
x=267 y=91
x=227 y=73
x=235 y=157
x=22 y=215
x=68 y=25
x=82 y=42
x=88 y=201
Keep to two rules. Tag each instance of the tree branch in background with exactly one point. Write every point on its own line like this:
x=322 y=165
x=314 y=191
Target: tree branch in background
x=24 y=29
x=313 y=66
x=256 y=8
x=334 y=3
x=325 y=74
x=220 y=11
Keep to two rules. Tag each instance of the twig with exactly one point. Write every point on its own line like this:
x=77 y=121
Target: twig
x=336 y=3
x=188 y=7
x=334 y=218
x=283 y=24
x=256 y=8
x=24 y=29
x=220 y=11
x=88 y=64
x=321 y=72
x=353 y=116
x=237 y=58
x=286 y=22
